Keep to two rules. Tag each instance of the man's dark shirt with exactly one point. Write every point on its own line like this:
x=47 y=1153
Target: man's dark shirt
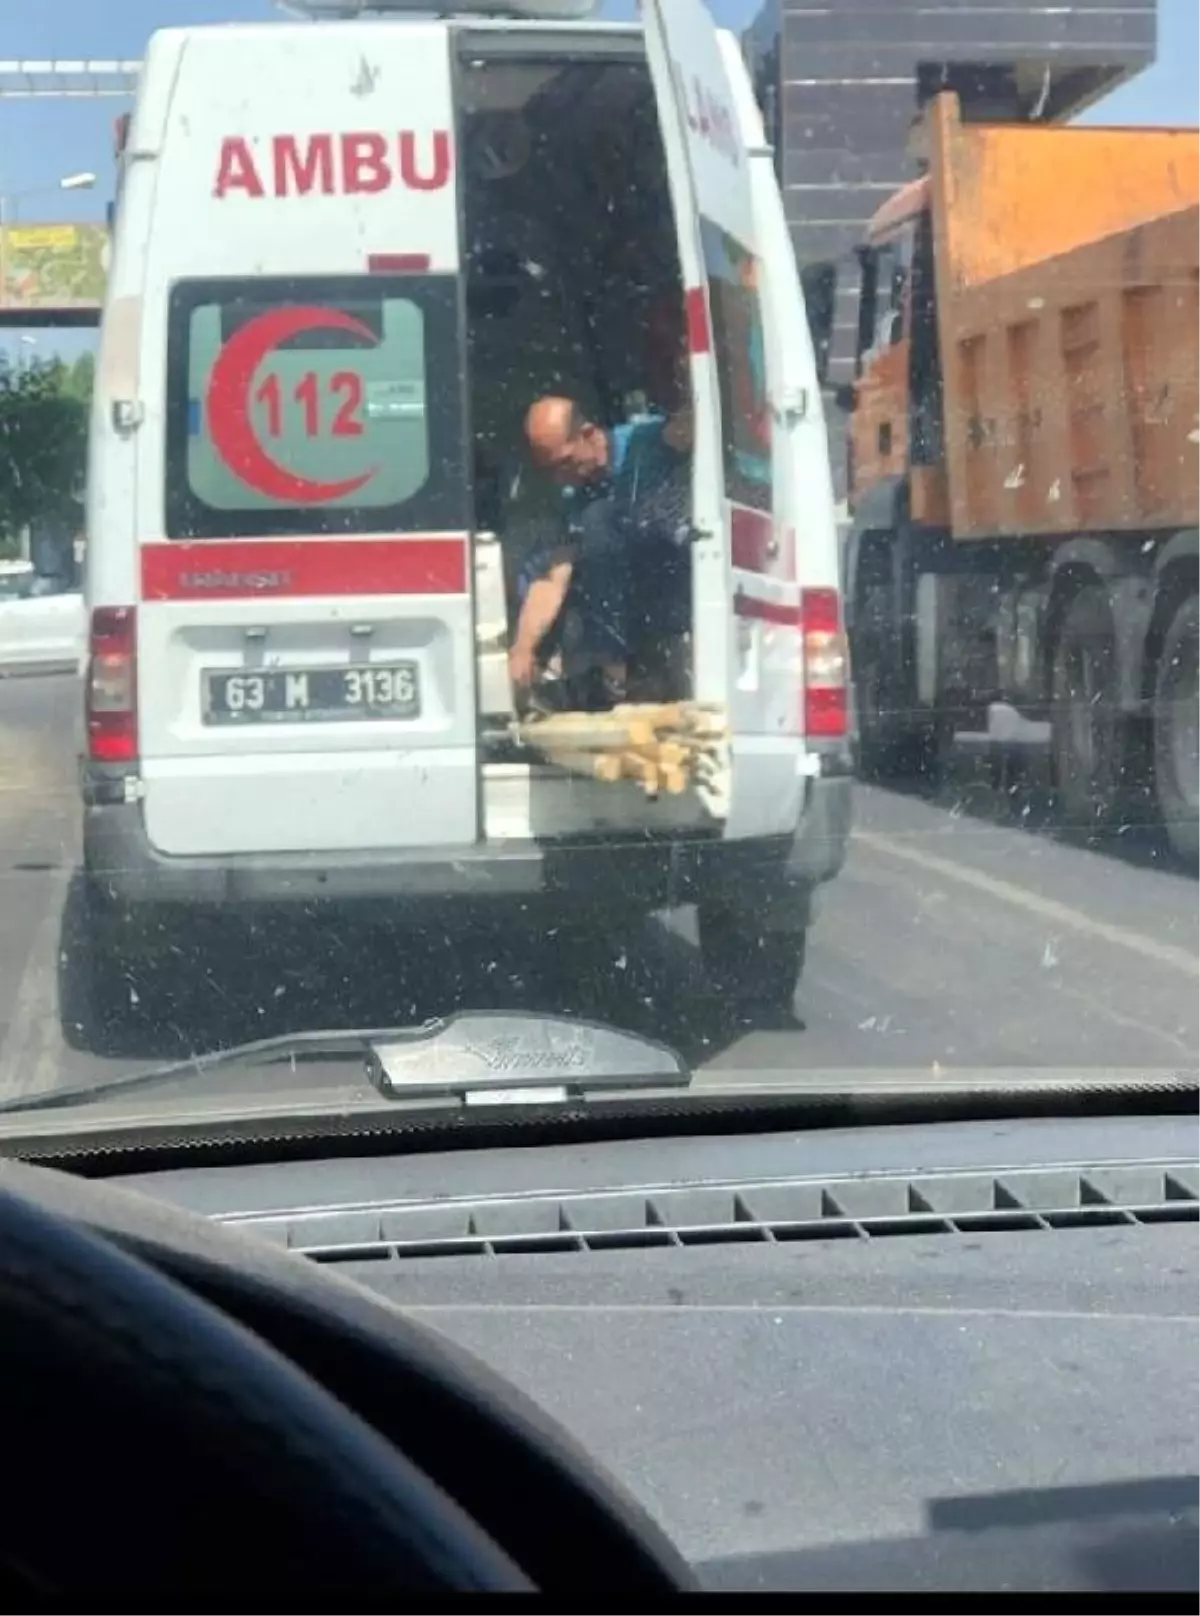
x=627 y=534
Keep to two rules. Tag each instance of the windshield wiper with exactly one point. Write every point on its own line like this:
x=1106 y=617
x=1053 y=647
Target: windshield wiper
x=475 y=1057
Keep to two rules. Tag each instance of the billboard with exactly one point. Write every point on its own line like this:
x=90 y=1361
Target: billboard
x=47 y=267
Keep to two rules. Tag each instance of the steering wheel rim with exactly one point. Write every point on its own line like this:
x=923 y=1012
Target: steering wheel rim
x=201 y=1456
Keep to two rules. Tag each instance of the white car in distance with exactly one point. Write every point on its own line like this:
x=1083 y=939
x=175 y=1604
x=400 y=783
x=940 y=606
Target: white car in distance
x=42 y=624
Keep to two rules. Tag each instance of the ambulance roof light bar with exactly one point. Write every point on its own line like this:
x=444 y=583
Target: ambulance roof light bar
x=524 y=10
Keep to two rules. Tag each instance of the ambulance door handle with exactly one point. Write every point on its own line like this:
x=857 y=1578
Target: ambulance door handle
x=792 y=407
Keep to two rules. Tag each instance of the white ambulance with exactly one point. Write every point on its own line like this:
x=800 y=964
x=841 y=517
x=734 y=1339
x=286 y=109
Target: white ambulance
x=347 y=255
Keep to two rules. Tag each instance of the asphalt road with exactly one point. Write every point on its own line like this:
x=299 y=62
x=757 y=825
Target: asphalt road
x=965 y=932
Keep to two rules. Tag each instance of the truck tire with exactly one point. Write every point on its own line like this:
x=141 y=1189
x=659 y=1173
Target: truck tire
x=891 y=745
x=1177 y=730
x=880 y=754
x=746 y=963
x=1087 y=736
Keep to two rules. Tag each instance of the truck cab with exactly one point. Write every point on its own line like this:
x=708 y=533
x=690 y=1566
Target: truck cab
x=896 y=423
x=896 y=474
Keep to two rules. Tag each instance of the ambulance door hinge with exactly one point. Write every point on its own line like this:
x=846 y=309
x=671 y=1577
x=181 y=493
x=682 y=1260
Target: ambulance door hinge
x=127 y=414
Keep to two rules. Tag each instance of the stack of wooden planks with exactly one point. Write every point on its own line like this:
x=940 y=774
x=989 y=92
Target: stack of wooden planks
x=664 y=747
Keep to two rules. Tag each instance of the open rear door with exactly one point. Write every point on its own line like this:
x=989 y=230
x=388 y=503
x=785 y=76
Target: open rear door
x=806 y=555
x=746 y=594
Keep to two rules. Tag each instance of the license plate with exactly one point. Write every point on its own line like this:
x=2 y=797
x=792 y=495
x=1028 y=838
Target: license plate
x=307 y=695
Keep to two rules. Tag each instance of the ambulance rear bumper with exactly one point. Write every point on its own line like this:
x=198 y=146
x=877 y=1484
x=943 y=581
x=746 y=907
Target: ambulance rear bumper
x=628 y=874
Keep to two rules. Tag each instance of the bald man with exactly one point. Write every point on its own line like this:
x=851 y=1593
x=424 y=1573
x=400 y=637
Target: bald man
x=621 y=560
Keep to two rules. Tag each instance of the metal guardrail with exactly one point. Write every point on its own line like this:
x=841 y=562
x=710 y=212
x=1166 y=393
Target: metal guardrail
x=67 y=79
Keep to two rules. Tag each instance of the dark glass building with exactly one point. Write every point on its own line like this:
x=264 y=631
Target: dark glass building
x=840 y=83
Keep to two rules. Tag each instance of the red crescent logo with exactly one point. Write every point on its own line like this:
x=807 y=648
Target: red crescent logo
x=228 y=405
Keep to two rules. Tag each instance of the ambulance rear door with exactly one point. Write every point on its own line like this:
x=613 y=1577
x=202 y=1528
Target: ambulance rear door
x=806 y=538
x=305 y=643
x=746 y=594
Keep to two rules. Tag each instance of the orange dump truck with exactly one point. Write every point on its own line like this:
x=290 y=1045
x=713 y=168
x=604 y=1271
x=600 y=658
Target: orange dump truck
x=1023 y=459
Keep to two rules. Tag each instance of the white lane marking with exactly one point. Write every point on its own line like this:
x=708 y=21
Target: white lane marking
x=29 y=1053
x=870 y=1310
x=1176 y=959
x=1148 y=1029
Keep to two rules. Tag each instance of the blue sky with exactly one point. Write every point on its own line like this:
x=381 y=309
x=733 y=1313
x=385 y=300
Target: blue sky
x=41 y=141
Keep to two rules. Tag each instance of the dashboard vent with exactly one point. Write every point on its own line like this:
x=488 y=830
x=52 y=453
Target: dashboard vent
x=871 y=1207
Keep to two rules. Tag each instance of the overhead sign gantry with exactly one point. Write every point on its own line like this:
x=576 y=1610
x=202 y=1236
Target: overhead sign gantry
x=53 y=273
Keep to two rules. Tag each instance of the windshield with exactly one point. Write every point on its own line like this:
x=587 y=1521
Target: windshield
x=501 y=592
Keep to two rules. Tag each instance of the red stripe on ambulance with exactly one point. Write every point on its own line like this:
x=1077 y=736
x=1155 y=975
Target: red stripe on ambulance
x=755 y=548
x=781 y=613
x=695 y=308
x=288 y=569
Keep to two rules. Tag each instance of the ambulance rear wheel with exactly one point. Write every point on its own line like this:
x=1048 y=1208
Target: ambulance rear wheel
x=747 y=962
x=105 y=978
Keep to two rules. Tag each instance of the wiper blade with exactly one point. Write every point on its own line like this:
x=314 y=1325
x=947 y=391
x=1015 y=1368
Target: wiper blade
x=493 y=1056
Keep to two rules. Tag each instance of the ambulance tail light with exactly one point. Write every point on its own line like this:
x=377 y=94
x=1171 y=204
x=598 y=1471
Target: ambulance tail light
x=111 y=698
x=826 y=665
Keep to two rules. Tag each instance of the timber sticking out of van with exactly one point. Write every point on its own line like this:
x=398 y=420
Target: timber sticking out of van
x=574 y=289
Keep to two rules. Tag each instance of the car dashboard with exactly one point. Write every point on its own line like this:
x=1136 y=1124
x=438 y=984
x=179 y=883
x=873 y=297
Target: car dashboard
x=939 y=1358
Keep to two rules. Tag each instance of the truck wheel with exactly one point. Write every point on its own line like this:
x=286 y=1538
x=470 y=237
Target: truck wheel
x=890 y=745
x=746 y=963
x=869 y=668
x=1177 y=730
x=1087 y=736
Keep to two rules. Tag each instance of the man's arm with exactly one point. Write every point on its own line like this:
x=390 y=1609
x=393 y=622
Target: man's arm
x=539 y=613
